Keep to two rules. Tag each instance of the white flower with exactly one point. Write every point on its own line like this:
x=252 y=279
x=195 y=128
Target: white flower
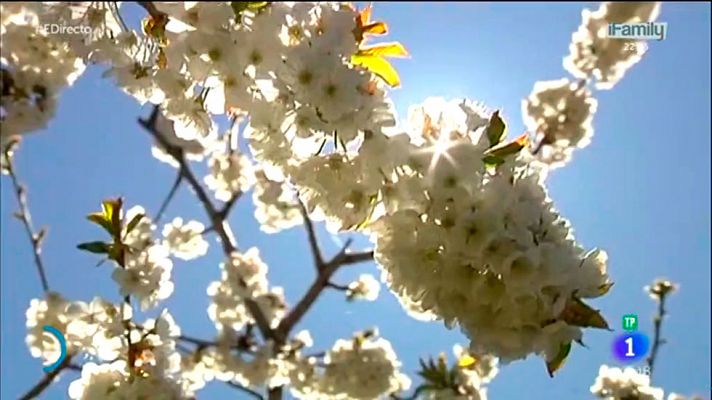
x=362 y=368
x=275 y=205
x=620 y=384
x=229 y=174
x=185 y=241
x=244 y=275
x=365 y=288
x=112 y=382
x=52 y=311
x=141 y=236
x=146 y=276
x=561 y=114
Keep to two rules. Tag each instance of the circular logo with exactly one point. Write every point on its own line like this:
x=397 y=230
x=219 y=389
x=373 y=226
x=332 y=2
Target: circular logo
x=62 y=347
x=630 y=347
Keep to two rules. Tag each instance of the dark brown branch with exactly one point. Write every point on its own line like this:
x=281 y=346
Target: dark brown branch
x=217 y=219
x=249 y=391
x=24 y=216
x=47 y=380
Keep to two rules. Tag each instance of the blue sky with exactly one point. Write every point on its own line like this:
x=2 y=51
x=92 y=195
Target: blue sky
x=641 y=191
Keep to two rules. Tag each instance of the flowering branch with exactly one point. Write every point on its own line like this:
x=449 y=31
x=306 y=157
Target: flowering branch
x=659 y=291
x=24 y=216
x=217 y=217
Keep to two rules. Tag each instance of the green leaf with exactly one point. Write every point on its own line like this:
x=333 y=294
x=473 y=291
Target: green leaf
x=99 y=219
x=495 y=129
x=134 y=221
x=578 y=313
x=95 y=247
x=558 y=361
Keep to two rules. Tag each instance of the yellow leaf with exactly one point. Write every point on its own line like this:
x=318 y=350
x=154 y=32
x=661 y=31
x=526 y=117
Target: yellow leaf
x=378 y=66
x=392 y=49
x=466 y=361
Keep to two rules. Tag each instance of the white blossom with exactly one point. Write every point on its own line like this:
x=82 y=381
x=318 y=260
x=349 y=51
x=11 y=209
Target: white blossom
x=146 y=276
x=620 y=384
x=229 y=174
x=594 y=54
x=560 y=113
x=185 y=241
x=365 y=288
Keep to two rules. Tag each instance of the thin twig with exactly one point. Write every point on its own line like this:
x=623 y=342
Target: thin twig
x=311 y=234
x=24 y=216
x=245 y=390
x=47 y=380
x=657 y=340
x=217 y=219
x=171 y=193
x=336 y=286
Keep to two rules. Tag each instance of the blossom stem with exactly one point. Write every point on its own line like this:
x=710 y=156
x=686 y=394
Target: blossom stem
x=25 y=217
x=657 y=340
x=218 y=219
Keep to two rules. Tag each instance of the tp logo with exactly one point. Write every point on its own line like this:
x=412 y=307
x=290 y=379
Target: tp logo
x=62 y=347
x=630 y=346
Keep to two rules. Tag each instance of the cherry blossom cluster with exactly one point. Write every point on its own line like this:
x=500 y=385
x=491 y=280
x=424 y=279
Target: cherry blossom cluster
x=559 y=112
x=481 y=248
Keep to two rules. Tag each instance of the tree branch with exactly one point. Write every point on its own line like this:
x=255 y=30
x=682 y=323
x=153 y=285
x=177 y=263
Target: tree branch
x=320 y=283
x=24 y=216
x=217 y=219
x=47 y=380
